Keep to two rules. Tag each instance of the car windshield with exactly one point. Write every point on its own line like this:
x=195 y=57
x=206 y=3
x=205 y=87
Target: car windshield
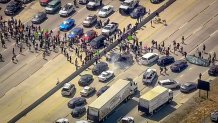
x=105 y=74
x=104 y=10
x=65 y=22
x=66 y=7
x=107 y=27
x=50 y=6
x=126 y=4
x=168 y=83
x=65 y=89
x=88 y=19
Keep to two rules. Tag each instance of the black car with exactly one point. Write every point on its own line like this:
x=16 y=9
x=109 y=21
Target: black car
x=99 y=68
x=4 y=1
x=179 y=66
x=78 y=111
x=25 y=1
x=213 y=71
x=165 y=60
x=85 y=80
x=188 y=87
x=76 y=101
x=102 y=90
x=98 y=42
x=138 y=12
x=13 y=7
x=39 y=18
x=156 y=1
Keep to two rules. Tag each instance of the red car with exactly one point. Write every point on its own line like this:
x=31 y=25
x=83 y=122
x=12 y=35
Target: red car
x=44 y=2
x=89 y=35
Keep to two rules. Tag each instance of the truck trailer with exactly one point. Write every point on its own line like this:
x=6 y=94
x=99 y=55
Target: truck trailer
x=153 y=99
x=121 y=90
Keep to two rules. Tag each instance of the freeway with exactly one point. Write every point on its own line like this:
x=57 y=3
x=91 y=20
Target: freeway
x=50 y=111
x=24 y=82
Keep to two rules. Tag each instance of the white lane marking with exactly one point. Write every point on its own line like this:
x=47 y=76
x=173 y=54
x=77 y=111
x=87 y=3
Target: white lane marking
x=212 y=2
x=81 y=9
x=183 y=25
x=212 y=34
x=190 y=68
x=181 y=75
x=199 y=28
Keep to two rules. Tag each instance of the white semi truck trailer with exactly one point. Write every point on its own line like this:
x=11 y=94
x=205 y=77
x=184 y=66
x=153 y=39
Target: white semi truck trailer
x=155 y=98
x=105 y=104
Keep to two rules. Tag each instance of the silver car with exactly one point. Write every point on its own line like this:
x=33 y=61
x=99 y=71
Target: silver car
x=67 y=10
x=169 y=83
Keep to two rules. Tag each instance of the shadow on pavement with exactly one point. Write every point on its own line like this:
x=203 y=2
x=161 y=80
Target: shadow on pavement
x=121 y=111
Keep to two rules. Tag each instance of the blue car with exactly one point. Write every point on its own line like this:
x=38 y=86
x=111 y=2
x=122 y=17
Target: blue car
x=138 y=12
x=78 y=31
x=179 y=66
x=67 y=24
x=165 y=60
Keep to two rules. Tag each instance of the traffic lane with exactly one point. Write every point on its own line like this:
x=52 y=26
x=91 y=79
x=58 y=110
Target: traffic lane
x=57 y=20
x=198 y=22
x=51 y=113
x=190 y=75
x=23 y=73
x=175 y=22
x=28 y=91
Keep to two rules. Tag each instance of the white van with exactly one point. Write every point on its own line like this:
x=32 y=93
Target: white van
x=149 y=58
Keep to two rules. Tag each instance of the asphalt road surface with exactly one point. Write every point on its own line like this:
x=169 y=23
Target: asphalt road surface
x=196 y=20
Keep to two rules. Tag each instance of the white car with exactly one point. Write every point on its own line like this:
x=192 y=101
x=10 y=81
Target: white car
x=105 y=11
x=83 y=1
x=62 y=120
x=87 y=91
x=104 y=76
x=169 y=83
x=149 y=76
x=67 y=9
x=127 y=119
x=68 y=89
x=149 y=58
x=109 y=28
x=214 y=116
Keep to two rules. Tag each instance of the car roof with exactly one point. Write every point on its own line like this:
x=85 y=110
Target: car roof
x=164 y=81
x=101 y=64
x=150 y=70
x=67 y=85
x=87 y=87
x=107 y=6
x=128 y=1
x=189 y=83
x=147 y=55
x=76 y=29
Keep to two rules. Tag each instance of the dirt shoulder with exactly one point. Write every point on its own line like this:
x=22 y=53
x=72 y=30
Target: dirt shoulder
x=197 y=109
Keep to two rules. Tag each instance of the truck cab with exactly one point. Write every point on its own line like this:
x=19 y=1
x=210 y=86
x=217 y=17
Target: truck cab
x=133 y=85
x=93 y=4
x=127 y=6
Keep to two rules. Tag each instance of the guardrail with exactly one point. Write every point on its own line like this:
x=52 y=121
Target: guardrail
x=88 y=64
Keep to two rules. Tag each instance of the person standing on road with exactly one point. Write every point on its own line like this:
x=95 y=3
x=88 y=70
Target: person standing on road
x=200 y=75
x=204 y=48
x=165 y=70
x=183 y=40
x=214 y=56
x=1 y=57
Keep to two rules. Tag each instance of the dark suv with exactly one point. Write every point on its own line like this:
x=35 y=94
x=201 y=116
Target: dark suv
x=99 y=68
x=13 y=7
x=98 y=42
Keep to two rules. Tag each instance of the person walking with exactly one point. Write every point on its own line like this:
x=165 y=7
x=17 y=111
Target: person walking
x=161 y=70
x=1 y=57
x=165 y=70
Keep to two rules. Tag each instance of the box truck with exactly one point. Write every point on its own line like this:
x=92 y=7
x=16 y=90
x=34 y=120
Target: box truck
x=155 y=98
x=121 y=90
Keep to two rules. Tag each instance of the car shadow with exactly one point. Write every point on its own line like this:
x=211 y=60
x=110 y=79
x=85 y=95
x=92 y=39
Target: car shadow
x=121 y=111
x=161 y=112
x=78 y=117
x=72 y=95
